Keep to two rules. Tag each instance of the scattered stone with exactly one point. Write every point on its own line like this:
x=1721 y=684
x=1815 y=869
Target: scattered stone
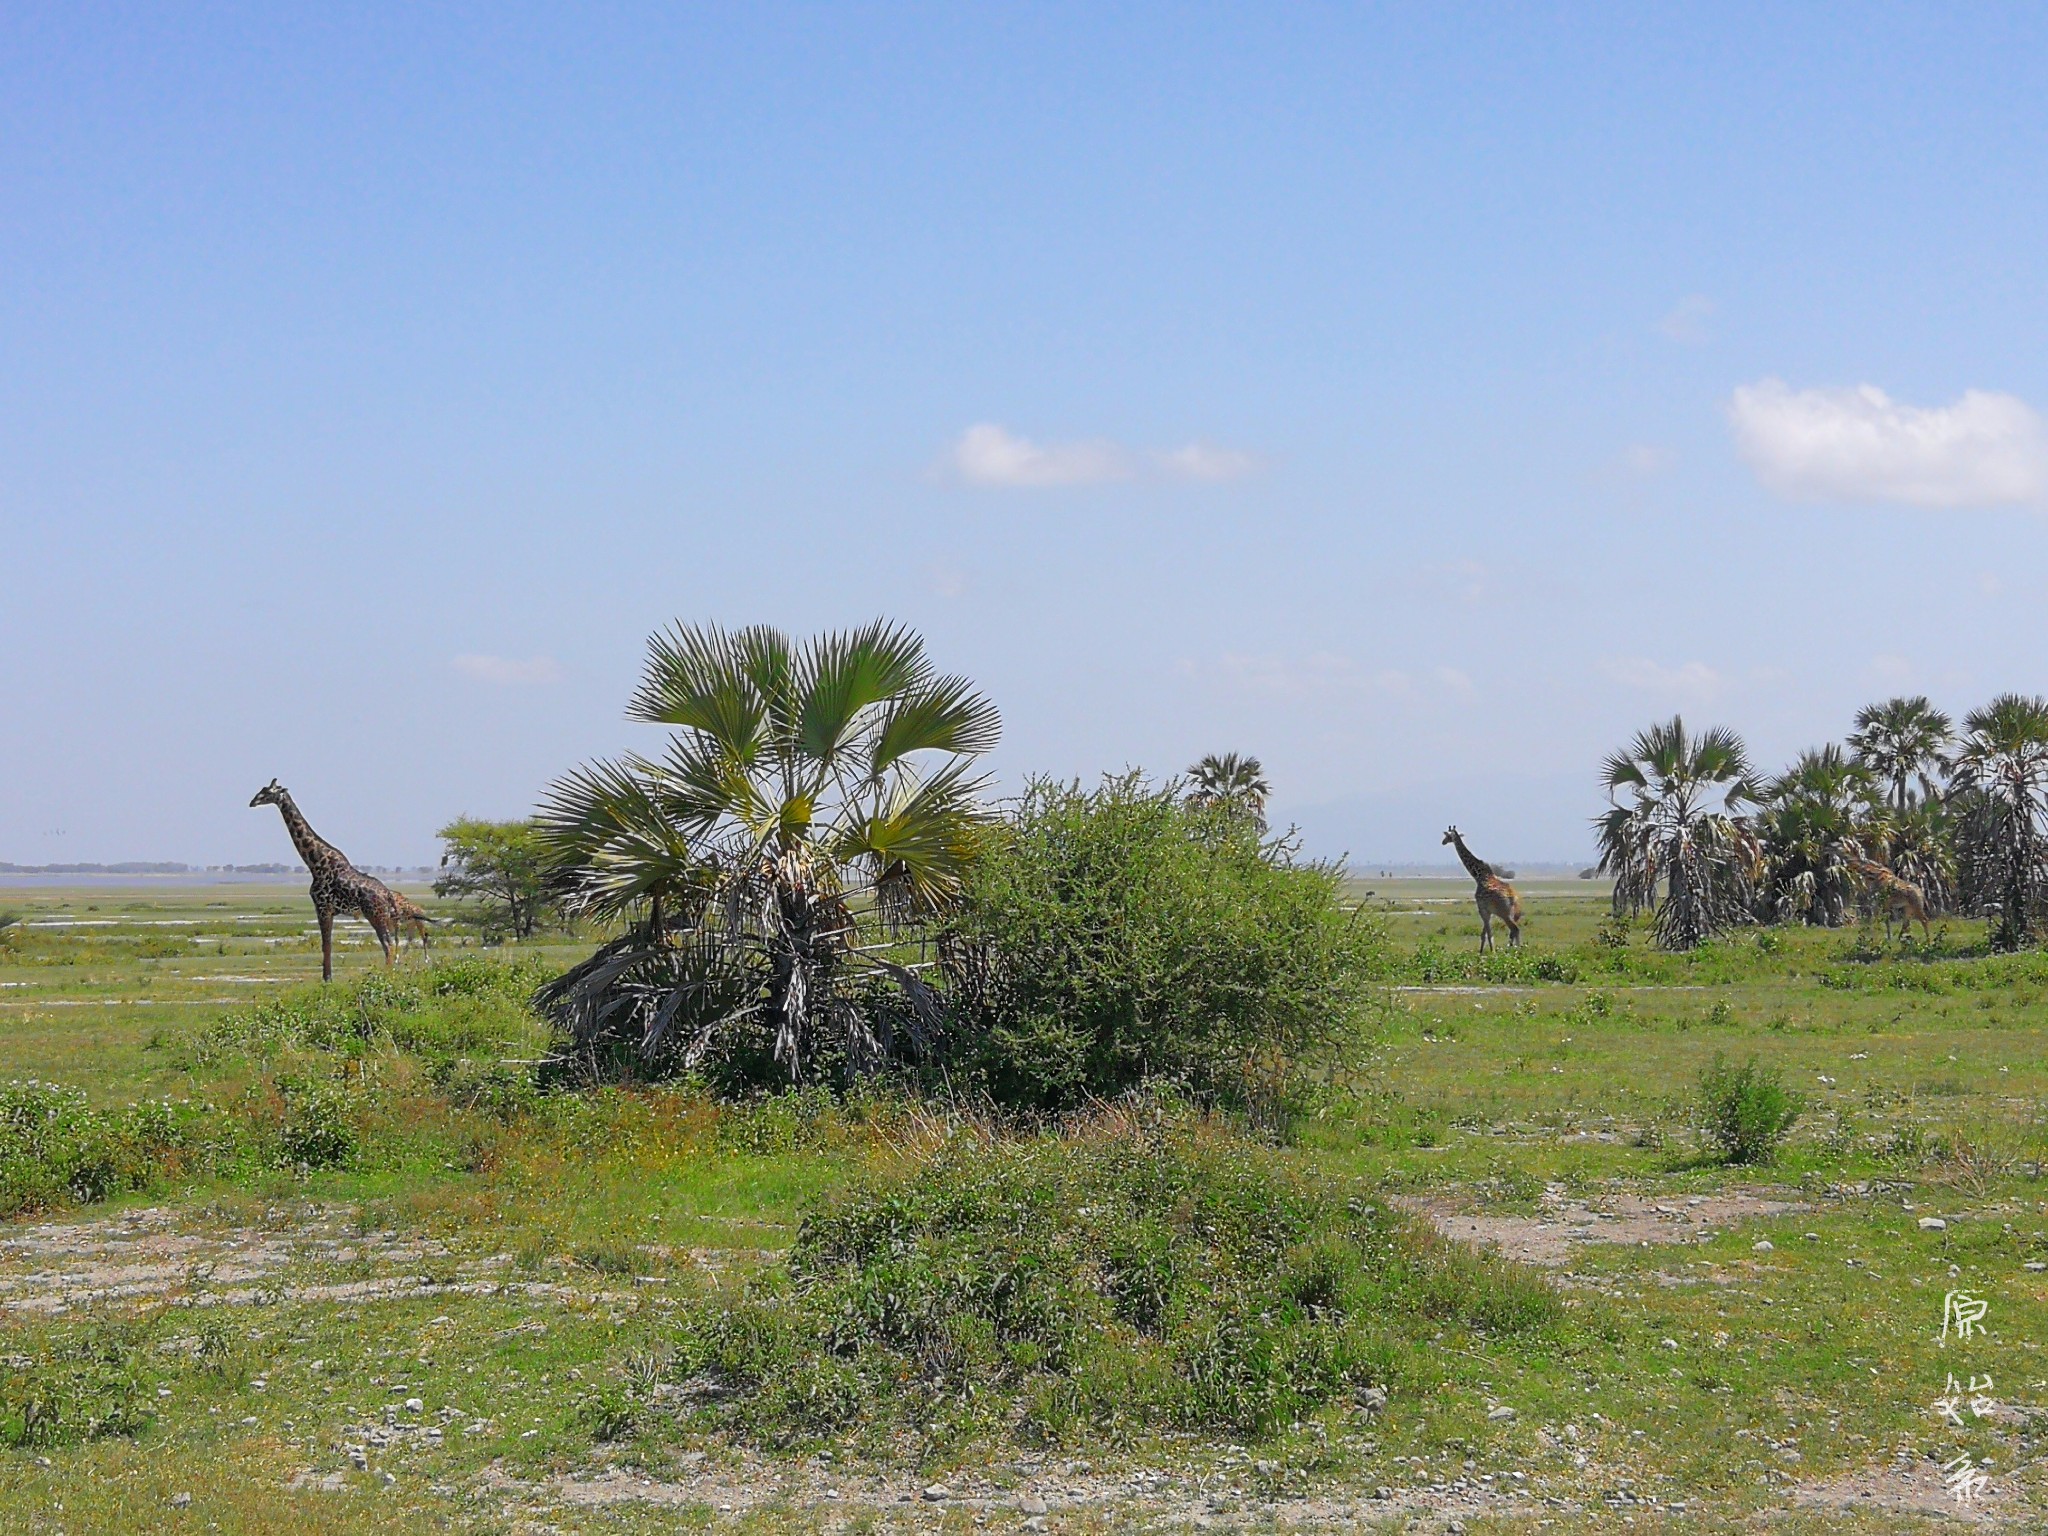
x=1500 y=1415
x=1374 y=1399
x=1763 y=1245
x=1813 y=1237
x=181 y=1501
x=1031 y=1504
x=2036 y=1265
x=415 y=1405
x=1667 y=1343
x=1932 y=1224
x=938 y=1493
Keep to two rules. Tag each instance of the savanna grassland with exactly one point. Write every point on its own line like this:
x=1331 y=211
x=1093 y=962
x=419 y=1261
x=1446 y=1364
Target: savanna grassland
x=281 y=1257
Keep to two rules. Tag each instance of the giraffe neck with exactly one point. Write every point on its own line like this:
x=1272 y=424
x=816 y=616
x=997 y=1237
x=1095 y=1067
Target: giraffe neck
x=1477 y=867
x=314 y=849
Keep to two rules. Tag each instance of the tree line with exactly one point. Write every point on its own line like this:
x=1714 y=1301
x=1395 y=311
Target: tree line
x=1696 y=837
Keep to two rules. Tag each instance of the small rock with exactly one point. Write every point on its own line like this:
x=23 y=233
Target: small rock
x=415 y=1405
x=1265 y=1468
x=2036 y=1265
x=1668 y=1343
x=1813 y=1237
x=1500 y=1415
x=1383 y=1492
x=1031 y=1504
x=1762 y=1245
x=181 y=1501
x=389 y=1478
x=1373 y=1399
x=1932 y=1224
x=358 y=1458
x=938 y=1493
x=1035 y=1523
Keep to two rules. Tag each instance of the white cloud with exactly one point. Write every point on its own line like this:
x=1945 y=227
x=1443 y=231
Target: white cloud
x=1859 y=444
x=1687 y=322
x=508 y=672
x=1325 y=675
x=990 y=455
x=1693 y=680
x=1204 y=461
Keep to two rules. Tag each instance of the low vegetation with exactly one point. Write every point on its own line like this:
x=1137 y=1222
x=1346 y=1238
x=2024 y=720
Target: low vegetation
x=1136 y=1271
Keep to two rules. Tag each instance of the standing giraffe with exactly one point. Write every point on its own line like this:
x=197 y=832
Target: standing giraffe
x=1495 y=896
x=1904 y=902
x=338 y=886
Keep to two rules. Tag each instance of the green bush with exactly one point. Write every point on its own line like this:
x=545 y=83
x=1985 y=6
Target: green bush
x=1112 y=937
x=55 y=1148
x=87 y=1387
x=1745 y=1111
x=1131 y=1276
x=316 y=1131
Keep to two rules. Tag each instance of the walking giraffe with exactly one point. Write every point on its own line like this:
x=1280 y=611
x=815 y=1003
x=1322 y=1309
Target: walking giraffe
x=338 y=886
x=1496 y=898
x=1904 y=902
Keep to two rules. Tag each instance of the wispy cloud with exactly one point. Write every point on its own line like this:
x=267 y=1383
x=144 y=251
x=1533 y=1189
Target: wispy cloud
x=1688 y=319
x=509 y=672
x=1692 y=681
x=992 y=455
x=1986 y=449
x=987 y=454
x=1204 y=461
x=1325 y=675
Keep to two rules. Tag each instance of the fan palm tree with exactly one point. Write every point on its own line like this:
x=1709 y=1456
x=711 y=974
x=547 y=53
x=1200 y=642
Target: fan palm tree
x=1811 y=825
x=1903 y=743
x=813 y=795
x=1999 y=791
x=1232 y=783
x=1674 y=819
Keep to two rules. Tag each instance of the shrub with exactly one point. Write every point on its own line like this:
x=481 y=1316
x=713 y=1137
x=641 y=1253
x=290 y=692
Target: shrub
x=316 y=1131
x=1120 y=935
x=56 y=1148
x=88 y=1387
x=1745 y=1111
x=1122 y=1277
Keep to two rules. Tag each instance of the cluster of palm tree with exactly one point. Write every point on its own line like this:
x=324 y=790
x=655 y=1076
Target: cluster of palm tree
x=1695 y=836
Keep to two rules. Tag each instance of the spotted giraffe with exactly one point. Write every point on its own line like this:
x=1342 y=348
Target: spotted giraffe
x=1496 y=898
x=338 y=886
x=1904 y=902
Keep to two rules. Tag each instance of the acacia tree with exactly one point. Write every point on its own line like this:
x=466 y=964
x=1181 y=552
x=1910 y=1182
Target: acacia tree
x=502 y=866
x=2000 y=795
x=1811 y=825
x=815 y=797
x=1231 y=783
x=1674 y=821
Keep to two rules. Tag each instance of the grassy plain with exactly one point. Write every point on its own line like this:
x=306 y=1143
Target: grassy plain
x=463 y=1326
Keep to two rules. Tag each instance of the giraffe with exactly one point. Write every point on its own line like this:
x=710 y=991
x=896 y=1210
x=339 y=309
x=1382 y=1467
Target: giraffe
x=1496 y=898
x=1904 y=902
x=338 y=886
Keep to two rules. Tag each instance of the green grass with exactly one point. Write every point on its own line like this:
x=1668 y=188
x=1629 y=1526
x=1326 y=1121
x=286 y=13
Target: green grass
x=544 y=1266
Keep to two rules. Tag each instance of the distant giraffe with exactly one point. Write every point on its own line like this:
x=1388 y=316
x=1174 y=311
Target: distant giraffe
x=1904 y=902
x=1496 y=898
x=338 y=886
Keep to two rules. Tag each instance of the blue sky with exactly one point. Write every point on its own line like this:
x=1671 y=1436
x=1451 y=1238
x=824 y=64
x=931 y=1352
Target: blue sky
x=1421 y=398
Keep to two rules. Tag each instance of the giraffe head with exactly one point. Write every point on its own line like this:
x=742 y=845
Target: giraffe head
x=272 y=793
x=1450 y=835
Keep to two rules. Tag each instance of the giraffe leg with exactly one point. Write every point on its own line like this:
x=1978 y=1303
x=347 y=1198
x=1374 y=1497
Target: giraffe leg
x=1514 y=933
x=382 y=927
x=1485 y=930
x=326 y=943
